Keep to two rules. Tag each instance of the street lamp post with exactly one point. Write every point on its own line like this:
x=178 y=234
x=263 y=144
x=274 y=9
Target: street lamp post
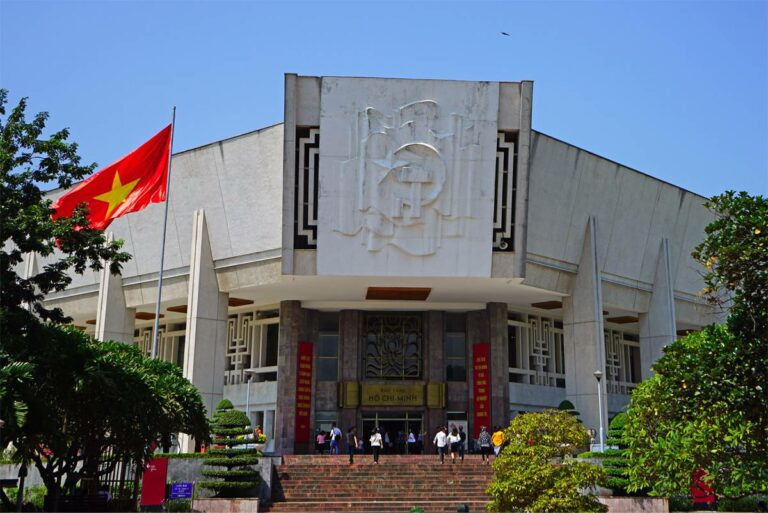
x=598 y=377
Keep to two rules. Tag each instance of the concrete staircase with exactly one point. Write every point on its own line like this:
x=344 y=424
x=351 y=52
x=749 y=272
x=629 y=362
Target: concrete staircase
x=397 y=484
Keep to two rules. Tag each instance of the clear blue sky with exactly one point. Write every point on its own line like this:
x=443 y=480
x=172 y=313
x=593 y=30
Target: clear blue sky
x=678 y=90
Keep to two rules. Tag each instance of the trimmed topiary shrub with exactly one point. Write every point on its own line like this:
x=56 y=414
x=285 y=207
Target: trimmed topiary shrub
x=615 y=461
x=570 y=408
x=230 y=455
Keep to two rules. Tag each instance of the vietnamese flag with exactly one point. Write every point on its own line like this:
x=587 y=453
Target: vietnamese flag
x=126 y=186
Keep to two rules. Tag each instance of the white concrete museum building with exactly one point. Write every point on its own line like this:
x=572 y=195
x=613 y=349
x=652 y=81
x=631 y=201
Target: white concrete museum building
x=408 y=254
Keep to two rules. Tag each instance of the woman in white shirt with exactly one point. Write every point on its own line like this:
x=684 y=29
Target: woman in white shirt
x=376 y=444
x=454 y=439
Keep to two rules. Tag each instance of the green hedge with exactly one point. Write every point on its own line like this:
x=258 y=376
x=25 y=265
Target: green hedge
x=232 y=431
x=233 y=451
x=228 y=485
x=230 y=419
x=229 y=473
x=606 y=454
x=232 y=462
x=181 y=455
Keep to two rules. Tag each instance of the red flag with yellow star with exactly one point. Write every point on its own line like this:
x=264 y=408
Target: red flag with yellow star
x=126 y=186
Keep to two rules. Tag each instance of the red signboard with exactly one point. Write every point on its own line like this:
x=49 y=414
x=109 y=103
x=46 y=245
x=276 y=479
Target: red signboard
x=481 y=387
x=153 y=482
x=303 y=393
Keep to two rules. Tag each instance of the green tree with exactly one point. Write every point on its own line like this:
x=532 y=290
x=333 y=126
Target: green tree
x=706 y=406
x=232 y=459
x=90 y=397
x=535 y=473
x=27 y=159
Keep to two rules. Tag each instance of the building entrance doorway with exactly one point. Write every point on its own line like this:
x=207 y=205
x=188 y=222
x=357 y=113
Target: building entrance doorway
x=395 y=428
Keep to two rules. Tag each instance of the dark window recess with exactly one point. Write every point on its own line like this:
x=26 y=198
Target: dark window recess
x=512 y=345
x=270 y=357
x=634 y=357
x=327 y=347
x=180 y=351
x=456 y=347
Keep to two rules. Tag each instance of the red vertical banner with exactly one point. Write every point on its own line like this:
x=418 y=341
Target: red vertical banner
x=153 y=482
x=481 y=387
x=303 y=393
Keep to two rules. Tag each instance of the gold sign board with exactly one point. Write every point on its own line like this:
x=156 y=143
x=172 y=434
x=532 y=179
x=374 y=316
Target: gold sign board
x=392 y=395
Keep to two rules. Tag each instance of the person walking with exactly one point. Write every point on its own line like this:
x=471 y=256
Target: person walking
x=352 y=443
x=411 y=442
x=484 y=441
x=463 y=441
x=498 y=440
x=440 y=440
x=453 y=442
x=335 y=439
x=376 y=444
x=320 y=439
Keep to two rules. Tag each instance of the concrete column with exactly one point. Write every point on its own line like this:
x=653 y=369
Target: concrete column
x=114 y=321
x=291 y=331
x=658 y=327
x=584 y=339
x=349 y=347
x=207 y=308
x=434 y=368
x=499 y=356
x=477 y=333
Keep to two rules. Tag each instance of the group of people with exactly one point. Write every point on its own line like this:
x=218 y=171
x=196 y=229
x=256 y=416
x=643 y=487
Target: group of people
x=453 y=440
x=329 y=440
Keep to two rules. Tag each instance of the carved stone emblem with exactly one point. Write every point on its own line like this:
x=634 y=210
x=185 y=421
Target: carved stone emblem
x=409 y=177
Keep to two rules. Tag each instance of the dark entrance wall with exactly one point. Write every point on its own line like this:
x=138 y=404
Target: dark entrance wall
x=488 y=325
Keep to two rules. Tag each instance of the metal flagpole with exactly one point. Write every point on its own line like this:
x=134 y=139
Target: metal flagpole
x=162 y=248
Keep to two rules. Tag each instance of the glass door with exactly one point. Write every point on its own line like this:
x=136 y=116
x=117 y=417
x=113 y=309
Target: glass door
x=394 y=428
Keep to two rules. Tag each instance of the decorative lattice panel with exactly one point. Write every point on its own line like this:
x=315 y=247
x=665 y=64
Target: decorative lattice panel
x=306 y=187
x=240 y=334
x=393 y=346
x=537 y=347
x=504 y=195
x=618 y=362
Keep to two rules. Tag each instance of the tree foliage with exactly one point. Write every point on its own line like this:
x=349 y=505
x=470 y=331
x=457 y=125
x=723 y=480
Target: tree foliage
x=535 y=472
x=706 y=407
x=67 y=399
x=90 y=398
x=28 y=159
x=232 y=453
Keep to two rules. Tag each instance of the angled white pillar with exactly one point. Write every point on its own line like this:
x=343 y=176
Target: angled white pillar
x=205 y=349
x=30 y=270
x=114 y=321
x=658 y=327
x=583 y=338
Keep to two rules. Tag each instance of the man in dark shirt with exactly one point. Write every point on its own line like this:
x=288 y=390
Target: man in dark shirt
x=352 y=443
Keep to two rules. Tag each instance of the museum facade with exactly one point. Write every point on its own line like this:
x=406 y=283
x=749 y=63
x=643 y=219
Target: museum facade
x=407 y=254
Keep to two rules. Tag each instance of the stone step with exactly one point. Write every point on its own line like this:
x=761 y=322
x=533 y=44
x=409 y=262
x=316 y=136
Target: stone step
x=329 y=484
x=367 y=459
x=373 y=506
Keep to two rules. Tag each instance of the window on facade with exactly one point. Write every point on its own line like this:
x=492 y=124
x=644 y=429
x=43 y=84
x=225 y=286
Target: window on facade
x=252 y=345
x=535 y=351
x=170 y=341
x=622 y=361
x=328 y=347
x=456 y=347
x=324 y=420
